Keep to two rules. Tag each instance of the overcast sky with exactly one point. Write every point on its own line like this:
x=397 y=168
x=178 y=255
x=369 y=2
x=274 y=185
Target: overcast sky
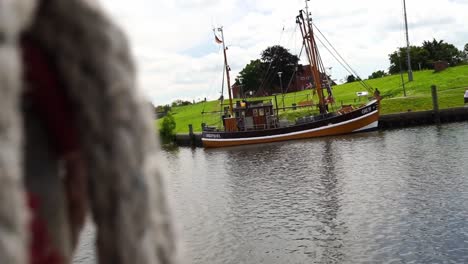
x=177 y=58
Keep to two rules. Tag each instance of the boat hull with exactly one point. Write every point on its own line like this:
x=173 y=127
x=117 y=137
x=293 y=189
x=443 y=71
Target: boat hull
x=360 y=120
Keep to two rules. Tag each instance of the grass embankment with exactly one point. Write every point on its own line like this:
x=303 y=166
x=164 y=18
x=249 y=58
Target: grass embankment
x=450 y=83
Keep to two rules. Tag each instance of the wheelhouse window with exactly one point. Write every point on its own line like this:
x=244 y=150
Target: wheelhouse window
x=255 y=112
x=261 y=112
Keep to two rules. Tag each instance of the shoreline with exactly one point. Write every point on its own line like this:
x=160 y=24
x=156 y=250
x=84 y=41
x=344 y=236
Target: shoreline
x=388 y=121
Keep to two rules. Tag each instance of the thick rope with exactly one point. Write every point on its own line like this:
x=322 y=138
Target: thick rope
x=14 y=16
x=91 y=57
x=127 y=190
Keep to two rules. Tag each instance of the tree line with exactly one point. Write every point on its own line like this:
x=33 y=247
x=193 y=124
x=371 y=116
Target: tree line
x=424 y=56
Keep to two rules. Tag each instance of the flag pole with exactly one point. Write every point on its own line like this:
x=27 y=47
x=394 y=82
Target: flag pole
x=227 y=71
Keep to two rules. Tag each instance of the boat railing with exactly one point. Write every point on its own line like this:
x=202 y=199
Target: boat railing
x=310 y=119
x=210 y=128
x=305 y=119
x=283 y=123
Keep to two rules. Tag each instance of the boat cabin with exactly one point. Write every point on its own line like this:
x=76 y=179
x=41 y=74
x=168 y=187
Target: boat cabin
x=253 y=115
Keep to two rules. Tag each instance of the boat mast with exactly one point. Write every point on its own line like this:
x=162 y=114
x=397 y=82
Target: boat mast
x=226 y=65
x=312 y=54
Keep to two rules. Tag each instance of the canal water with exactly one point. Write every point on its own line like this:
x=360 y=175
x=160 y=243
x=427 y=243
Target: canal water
x=398 y=196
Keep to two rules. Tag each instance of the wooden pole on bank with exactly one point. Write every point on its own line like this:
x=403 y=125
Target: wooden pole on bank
x=276 y=103
x=435 y=104
x=191 y=135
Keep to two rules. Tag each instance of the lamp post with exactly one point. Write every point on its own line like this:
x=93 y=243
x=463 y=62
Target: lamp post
x=410 y=71
x=281 y=86
x=295 y=80
x=401 y=74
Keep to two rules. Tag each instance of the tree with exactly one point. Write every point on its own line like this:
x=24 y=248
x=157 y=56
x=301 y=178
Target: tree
x=263 y=73
x=167 y=128
x=465 y=52
x=377 y=74
x=350 y=78
x=278 y=59
x=440 y=50
x=419 y=57
x=251 y=76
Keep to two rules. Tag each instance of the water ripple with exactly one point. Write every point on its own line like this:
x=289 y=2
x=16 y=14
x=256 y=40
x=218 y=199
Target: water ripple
x=386 y=197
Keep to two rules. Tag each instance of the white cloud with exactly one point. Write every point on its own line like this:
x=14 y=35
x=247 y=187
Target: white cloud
x=177 y=57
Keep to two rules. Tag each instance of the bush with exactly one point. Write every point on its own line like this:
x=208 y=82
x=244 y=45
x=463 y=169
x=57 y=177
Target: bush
x=163 y=108
x=378 y=74
x=166 y=131
x=179 y=102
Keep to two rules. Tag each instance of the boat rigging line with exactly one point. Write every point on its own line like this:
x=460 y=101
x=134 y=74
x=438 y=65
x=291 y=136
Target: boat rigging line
x=343 y=62
x=297 y=63
x=222 y=88
x=267 y=77
x=350 y=71
x=295 y=71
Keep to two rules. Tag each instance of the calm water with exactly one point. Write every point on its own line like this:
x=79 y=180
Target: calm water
x=397 y=196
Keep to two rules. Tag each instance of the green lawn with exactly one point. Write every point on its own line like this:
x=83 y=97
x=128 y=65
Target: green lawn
x=450 y=83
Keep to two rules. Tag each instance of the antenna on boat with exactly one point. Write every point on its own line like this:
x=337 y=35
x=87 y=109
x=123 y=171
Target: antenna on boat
x=226 y=65
x=309 y=20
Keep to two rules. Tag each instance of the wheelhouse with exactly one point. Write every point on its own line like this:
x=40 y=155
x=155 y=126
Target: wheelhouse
x=251 y=115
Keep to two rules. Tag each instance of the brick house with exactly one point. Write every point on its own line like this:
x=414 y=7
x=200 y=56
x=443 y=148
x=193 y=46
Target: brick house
x=236 y=91
x=440 y=66
x=305 y=80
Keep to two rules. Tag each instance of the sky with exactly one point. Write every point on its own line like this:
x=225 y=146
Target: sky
x=177 y=58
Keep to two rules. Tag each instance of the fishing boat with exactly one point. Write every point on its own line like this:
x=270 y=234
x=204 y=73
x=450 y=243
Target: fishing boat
x=255 y=122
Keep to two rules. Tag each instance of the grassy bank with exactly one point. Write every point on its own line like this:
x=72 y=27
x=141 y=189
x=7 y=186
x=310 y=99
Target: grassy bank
x=450 y=83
